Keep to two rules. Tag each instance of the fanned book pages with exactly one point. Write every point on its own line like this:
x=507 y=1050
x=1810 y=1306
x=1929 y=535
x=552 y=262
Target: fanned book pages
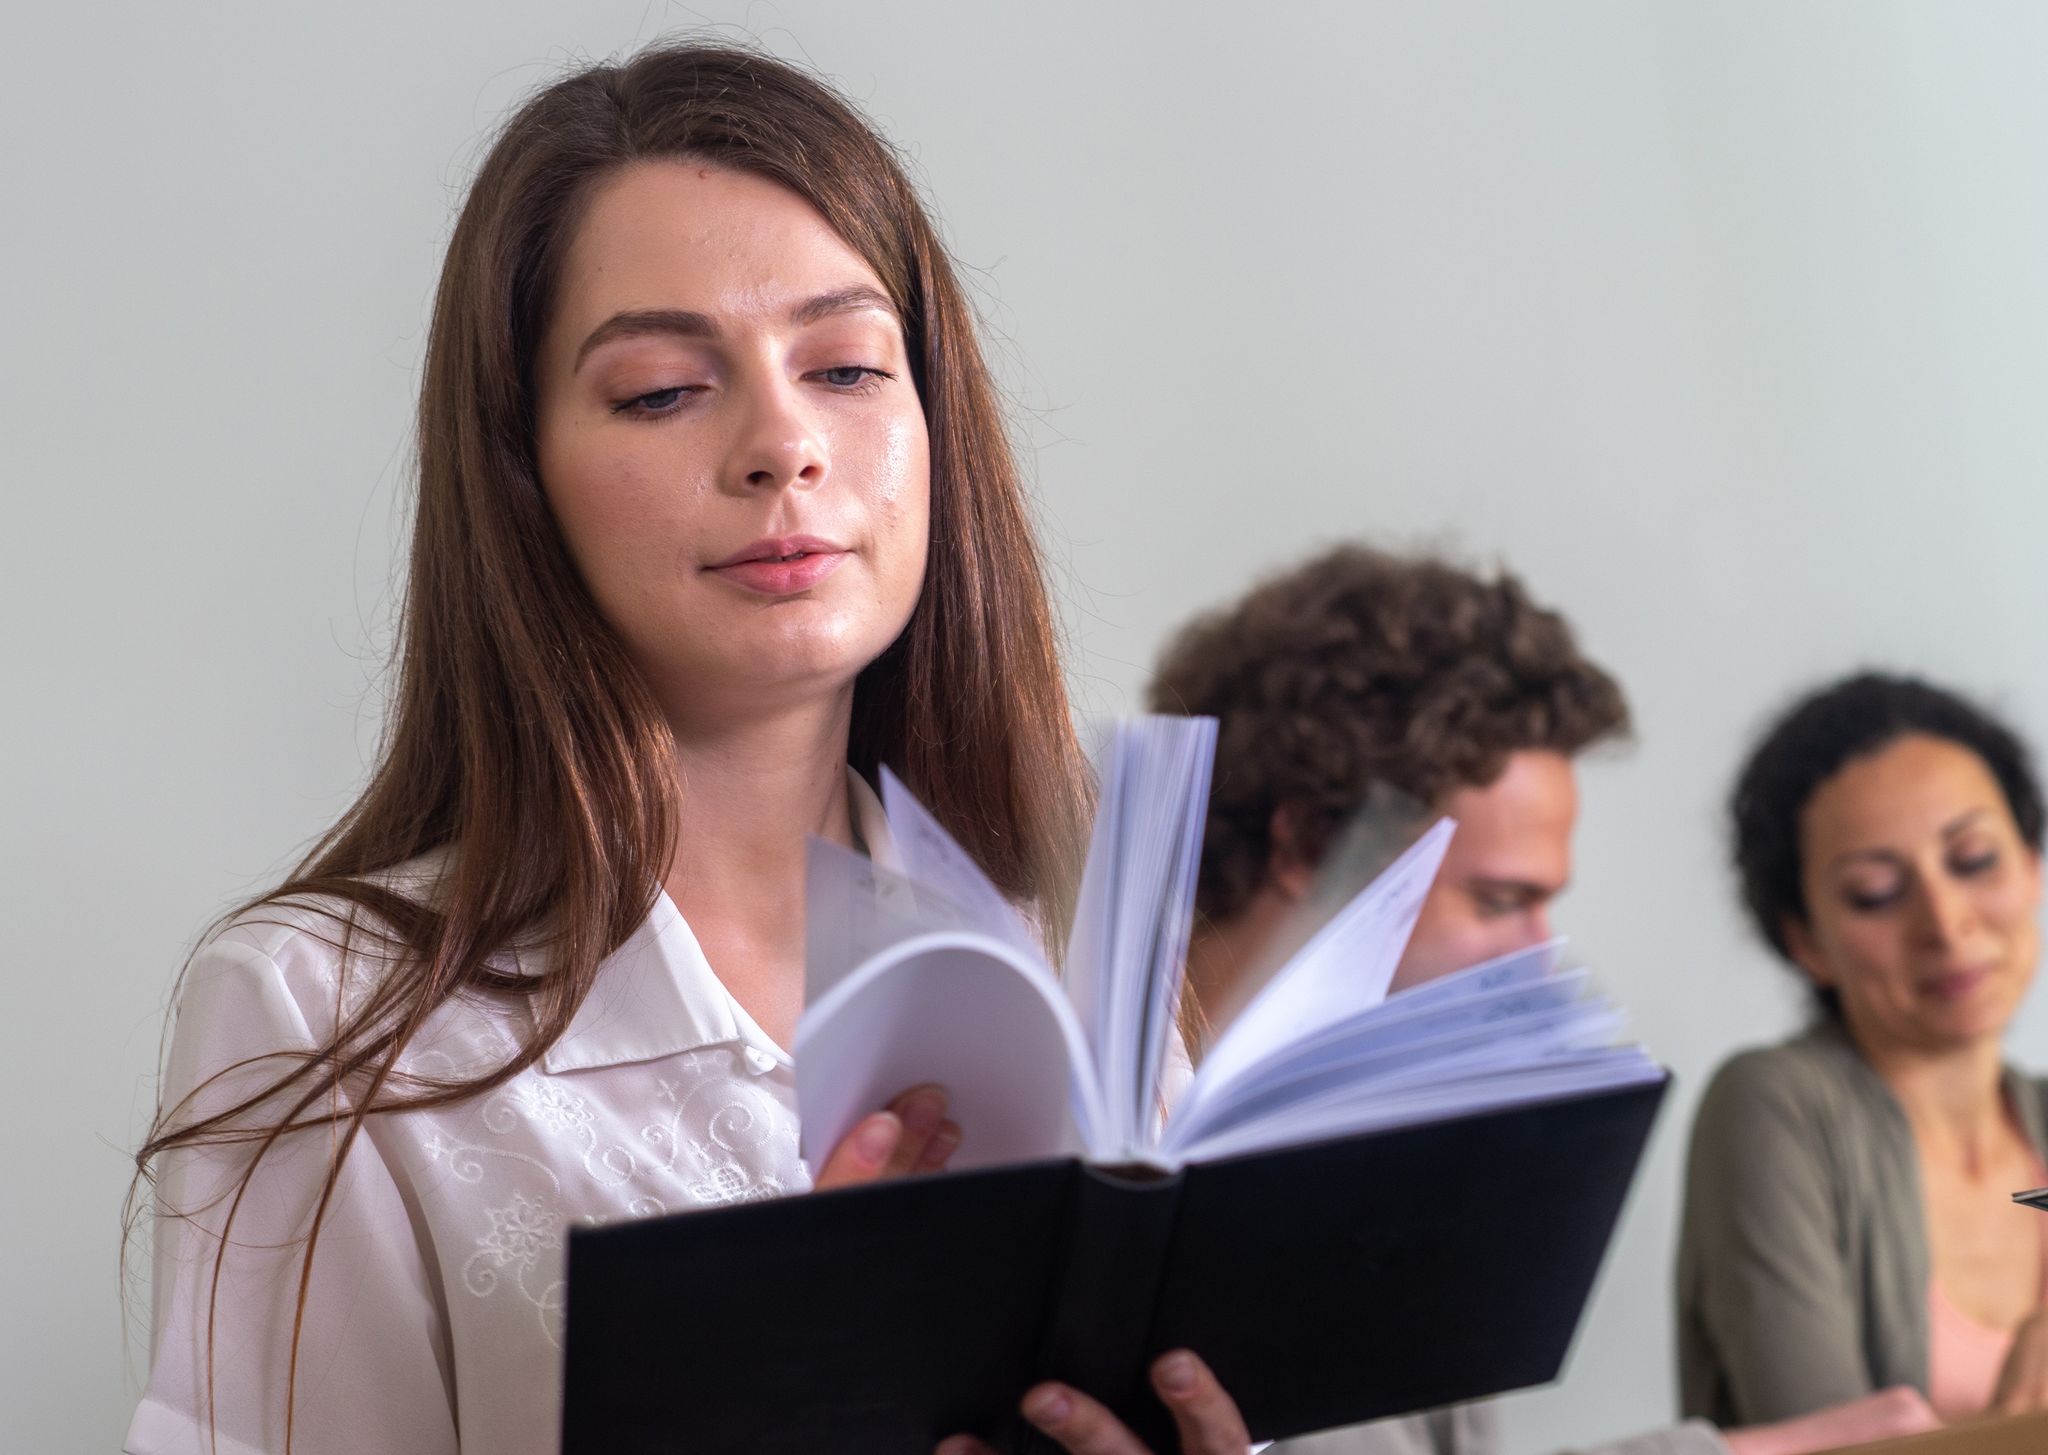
x=950 y=987
x=1360 y=1205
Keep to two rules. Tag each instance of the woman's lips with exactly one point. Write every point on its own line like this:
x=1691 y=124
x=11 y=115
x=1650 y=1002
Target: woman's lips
x=782 y=575
x=1954 y=984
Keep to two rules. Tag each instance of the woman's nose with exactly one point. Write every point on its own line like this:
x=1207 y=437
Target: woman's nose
x=1946 y=912
x=778 y=446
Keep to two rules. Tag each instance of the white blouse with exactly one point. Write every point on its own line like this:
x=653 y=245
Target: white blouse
x=433 y=1318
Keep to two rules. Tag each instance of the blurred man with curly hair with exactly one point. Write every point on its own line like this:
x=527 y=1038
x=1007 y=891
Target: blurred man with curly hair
x=1362 y=668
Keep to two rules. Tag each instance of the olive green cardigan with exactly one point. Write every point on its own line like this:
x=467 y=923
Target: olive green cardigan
x=1802 y=1259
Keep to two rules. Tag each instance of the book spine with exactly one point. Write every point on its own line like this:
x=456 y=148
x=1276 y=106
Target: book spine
x=1098 y=1332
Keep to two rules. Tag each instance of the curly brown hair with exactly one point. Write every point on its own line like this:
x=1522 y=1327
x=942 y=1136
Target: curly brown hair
x=1361 y=667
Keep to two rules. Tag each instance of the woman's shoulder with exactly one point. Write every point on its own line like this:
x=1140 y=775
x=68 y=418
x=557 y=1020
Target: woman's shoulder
x=286 y=971
x=319 y=940
x=1816 y=1076
x=2028 y=1093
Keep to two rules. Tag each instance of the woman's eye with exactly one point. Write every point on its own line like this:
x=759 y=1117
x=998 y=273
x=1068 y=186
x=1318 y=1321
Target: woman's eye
x=851 y=376
x=1869 y=901
x=1968 y=865
x=658 y=401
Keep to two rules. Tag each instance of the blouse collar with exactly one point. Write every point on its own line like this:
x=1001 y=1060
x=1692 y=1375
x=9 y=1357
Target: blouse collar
x=656 y=995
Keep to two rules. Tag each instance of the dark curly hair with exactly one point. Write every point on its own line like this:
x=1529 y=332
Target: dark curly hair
x=1362 y=667
x=1816 y=738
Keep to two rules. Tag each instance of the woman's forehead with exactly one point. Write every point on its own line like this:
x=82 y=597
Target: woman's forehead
x=685 y=235
x=1916 y=789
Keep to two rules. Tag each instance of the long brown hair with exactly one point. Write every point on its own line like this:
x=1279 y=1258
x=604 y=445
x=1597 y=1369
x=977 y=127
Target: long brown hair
x=522 y=742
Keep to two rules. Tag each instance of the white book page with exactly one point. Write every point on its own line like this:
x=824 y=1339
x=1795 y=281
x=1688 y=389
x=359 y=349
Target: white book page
x=1342 y=971
x=1129 y=942
x=1503 y=1025
x=1565 y=1074
x=1384 y=828
x=1517 y=967
x=854 y=909
x=934 y=859
x=1495 y=1035
x=965 y=1011
x=1085 y=968
x=1172 y=810
x=1592 y=1031
x=1395 y=1016
x=1451 y=1057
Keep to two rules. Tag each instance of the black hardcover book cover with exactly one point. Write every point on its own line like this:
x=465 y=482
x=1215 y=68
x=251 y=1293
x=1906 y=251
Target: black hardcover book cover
x=1326 y=1284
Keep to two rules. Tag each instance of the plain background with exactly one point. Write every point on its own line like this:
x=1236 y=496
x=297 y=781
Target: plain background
x=1722 y=322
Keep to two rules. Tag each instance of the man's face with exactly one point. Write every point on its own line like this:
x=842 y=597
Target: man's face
x=1511 y=856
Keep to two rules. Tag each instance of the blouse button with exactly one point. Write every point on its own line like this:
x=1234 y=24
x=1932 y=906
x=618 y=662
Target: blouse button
x=758 y=1061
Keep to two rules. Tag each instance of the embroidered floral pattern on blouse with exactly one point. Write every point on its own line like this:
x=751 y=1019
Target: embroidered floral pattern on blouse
x=552 y=1106
x=521 y=1231
x=721 y=1135
x=741 y=1123
x=525 y=1235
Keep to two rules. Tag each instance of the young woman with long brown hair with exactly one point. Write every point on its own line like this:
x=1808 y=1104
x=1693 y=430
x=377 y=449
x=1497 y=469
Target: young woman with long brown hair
x=715 y=515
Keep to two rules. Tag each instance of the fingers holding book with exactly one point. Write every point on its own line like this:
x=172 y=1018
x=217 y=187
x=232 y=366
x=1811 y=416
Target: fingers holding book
x=1204 y=1412
x=913 y=1135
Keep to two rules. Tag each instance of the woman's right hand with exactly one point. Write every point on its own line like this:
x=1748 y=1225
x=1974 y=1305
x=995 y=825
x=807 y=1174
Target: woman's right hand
x=2023 y=1383
x=911 y=1136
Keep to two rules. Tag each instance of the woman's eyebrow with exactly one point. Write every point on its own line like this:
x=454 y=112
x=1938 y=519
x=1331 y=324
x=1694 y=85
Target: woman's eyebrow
x=1962 y=821
x=682 y=323
x=854 y=299
x=639 y=322
x=1874 y=855
x=1892 y=856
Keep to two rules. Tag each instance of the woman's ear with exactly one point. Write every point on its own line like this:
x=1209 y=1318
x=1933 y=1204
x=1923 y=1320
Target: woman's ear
x=1805 y=952
x=1289 y=873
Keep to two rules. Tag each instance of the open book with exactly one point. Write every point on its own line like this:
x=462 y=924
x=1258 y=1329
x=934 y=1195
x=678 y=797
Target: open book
x=1359 y=1205
x=931 y=976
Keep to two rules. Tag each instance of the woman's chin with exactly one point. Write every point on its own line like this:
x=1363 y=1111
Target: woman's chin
x=1972 y=1020
x=786 y=667
x=826 y=655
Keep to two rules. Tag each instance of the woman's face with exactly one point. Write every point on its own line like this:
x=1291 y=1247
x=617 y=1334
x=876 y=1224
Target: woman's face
x=730 y=440
x=1922 y=898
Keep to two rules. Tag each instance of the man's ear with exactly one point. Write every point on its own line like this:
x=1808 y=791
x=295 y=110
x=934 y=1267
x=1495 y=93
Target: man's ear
x=1805 y=953
x=1289 y=873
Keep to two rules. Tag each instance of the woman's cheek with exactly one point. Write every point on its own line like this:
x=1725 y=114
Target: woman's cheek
x=2017 y=899
x=905 y=508
x=1868 y=952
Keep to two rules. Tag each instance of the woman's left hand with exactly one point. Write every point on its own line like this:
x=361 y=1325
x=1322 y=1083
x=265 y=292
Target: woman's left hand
x=1208 y=1418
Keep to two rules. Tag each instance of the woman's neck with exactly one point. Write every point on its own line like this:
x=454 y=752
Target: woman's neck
x=1953 y=1098
x=752 y=792
x=749 y=796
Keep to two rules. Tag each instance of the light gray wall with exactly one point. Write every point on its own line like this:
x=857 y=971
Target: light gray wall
x=1722 y=322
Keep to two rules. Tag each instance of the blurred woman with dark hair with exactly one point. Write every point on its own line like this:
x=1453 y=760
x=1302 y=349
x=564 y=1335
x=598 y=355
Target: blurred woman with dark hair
x=1848 y=1222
